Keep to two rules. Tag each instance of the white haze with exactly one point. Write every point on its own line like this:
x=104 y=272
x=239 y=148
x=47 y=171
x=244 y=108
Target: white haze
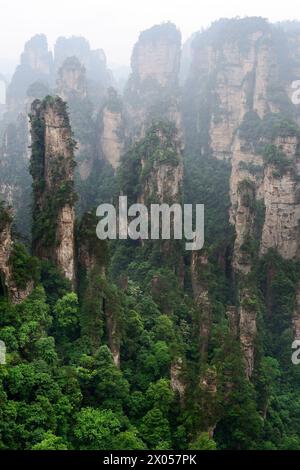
x=2 y=92
x=114 y=25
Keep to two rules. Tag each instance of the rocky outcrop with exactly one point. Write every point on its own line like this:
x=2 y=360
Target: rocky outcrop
x=17 y=295
x=273 y=181
x=152 y=89
x=236 y=95
x=265 y=212
x=92 y=252
x=162 y=167
x=243 y=326
x=244 y=226
x=112 y=139
x=8 y=285
x=15 y=181
x=281 y=194
x=248 y=330
x=72 y=87
x=94 y=61
x=160 y=181
x=64 y=252
x=52 y=163
x=92 y=261
x=111 y=143
x=156 y=55
x=234 y=70
x=177 y=382
x=237 y=67
x=31 y=80
x=233 y=319
x=71 y=82
x=209 y=388
x=5 y=247
x=35 y=65
x=246 y=165
x=167 y=180
x=37 y=56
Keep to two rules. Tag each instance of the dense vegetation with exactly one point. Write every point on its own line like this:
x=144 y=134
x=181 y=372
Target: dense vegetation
x=61 y=388
x=144 y=352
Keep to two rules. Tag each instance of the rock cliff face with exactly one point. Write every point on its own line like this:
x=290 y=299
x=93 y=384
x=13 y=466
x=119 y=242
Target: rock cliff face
x=177 y=383
x=52 y=164
x=151 y=92
x=156 y=56
x=94 y=61
x=92 y=252
x=15 y=181
x=152 y=173
x=71 y=82
x=72 y=87
x=239 y=95
x=8 y=285
x=92 y=261
x=162 y=172
x=5 y=248
x=111 y=143
x=281 y=195
x=272 y=181
x=247 y=330
x=235 y=70
x=79 y=75
x=31 y=80
x=244 y=226
x=35 y=65
x=37 y=56
x=245 y=82
x=112 y=139
x=13 y=152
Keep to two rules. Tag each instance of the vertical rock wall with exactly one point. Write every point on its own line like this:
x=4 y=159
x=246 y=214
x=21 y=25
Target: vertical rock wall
x=52 y=164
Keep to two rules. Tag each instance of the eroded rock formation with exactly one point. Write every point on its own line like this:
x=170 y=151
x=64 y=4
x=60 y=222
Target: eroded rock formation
x=8 y=286
x=71 y=82
x=247 y=330
x=52 y=164
x=112 y=138
x=72 y=87
x=152 y=89
x=98 y=76
x=35 y=65
x=5 y=247
x=177 y=381
x=162 y=166
x=240 y=99
x=235 y=74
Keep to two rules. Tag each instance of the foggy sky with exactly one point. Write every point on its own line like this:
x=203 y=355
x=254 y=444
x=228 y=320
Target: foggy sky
x=114 y=25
